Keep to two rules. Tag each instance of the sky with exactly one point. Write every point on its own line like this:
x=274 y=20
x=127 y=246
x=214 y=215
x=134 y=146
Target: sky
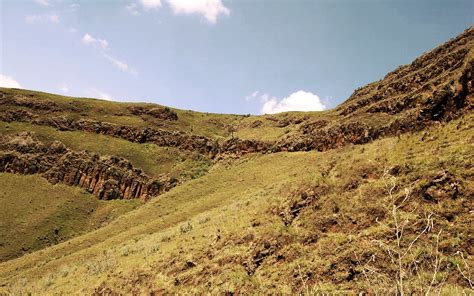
x=221 y=56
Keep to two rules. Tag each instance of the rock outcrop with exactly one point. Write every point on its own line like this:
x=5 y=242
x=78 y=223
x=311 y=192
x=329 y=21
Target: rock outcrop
x=238 y=146
x=413 y=84
x=106 y=177
x=163 y=113
x=324 y=139
x=438 y=86
x=28 y=102
x=159 y=137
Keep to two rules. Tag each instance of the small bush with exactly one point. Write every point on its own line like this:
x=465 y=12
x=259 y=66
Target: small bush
x=166 y=238
x=64 y=271
x=204 y=220
x=185 y=228
x=125 y=251
x=101 y=264
x=151 y=249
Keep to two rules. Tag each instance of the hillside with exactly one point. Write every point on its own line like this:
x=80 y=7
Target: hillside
x=375 y=195
x=37 y=214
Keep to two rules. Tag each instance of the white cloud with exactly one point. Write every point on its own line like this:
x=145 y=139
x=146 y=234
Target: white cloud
x=103 y=45
x=43 y=2
x=257 y=95
x=64 y=88
x=297 y=101
x=132 y=8
x=210 y=9
x=45 y=18
x=88 y=39
x=120 y=65
x=151 y=4
x=74 y=7
x=8 y=82
x=252 y=96
x=95 y=93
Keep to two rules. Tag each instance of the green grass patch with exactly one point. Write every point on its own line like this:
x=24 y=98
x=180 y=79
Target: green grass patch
x=36 y=214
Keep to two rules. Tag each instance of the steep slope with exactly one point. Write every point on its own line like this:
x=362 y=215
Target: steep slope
x=271 y=223
x=259 y=203
x=436 y=87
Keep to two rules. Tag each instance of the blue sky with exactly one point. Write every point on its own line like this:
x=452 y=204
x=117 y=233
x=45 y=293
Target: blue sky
x=219 y=56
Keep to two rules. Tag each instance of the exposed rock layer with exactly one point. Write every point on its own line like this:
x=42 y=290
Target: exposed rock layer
x=105 y=177
x=436 y=87
x=164 y=138
x=163 y=113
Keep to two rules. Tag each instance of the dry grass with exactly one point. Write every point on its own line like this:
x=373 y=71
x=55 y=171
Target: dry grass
x=239 y=243
x=36 y=214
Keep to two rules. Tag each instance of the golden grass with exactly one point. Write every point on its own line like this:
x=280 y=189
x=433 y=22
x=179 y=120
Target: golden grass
x=238 y=198
x=152 y=159
x=36 y=214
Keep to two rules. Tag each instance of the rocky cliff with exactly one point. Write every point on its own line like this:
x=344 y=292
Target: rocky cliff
x=106 y=177
x=164 y=138
x=437 y=87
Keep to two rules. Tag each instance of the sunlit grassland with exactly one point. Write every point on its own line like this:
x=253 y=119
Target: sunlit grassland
x=36 y=214
x=152 y=159
x=238 y=198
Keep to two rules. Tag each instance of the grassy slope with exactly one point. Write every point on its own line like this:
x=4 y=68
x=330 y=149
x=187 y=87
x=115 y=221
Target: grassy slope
x=214 y=126
x=233 y=211
x=205 y=124
x=152 y=159
x=36 y=214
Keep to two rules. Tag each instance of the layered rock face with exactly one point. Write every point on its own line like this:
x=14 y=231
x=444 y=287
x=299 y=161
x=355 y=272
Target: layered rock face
x=338 y=135
x=21 y=101
x=163 y=113
x=47 y=113
x=415 y=84
x=438 y=86
x=238 y=146
x=159 y=137
x=105 y=177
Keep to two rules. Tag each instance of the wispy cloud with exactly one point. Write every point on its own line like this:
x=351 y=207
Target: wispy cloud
x=64 y=88
x=103 y=46
x=95 y=93
x=74 y=7
x=252 y=96
x=150 y=4
x=119 y=64
x=297 y=101
x=42 y=18
x=43 y=2
x=8 y=82
x=132 y=8
x=210 y=9
x=89 y=39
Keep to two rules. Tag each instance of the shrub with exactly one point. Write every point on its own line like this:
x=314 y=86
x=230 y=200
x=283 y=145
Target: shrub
x=101 y=264
x=151 y=249
x=185 y=228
